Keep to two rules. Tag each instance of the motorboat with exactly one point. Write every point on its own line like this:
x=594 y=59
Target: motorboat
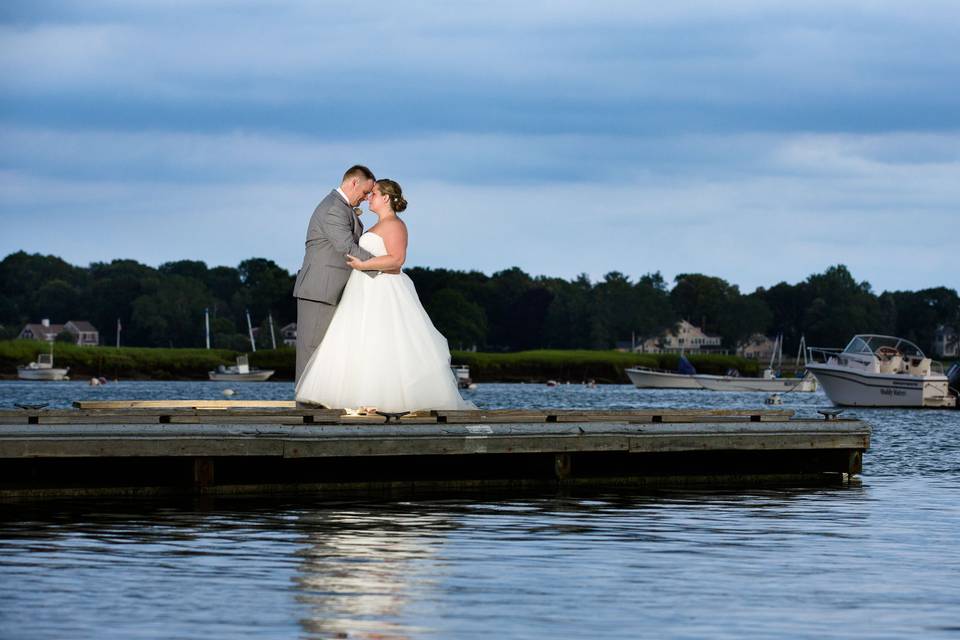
x=769 y=383
x=647 y=378
x=880 y=371
x=461 y=374
x=43 y=369
x=644 y=378
x=241 y=372
x=686 y=377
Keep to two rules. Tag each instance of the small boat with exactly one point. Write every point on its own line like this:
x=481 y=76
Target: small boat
x=43 y=369
x=686 y=377
x=646 y=378
x=769 y=383
x=461 y=374
x=880 y=371
x=241 y=372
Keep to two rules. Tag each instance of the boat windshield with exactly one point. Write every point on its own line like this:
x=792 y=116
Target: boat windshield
x=883 y=345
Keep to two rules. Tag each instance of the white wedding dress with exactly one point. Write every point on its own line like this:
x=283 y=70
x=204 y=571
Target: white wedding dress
x=381 y=350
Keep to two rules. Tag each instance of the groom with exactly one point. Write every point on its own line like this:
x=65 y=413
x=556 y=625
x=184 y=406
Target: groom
x=333 y=232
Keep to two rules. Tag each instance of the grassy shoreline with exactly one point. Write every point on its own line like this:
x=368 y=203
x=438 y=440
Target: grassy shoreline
x=140 y=363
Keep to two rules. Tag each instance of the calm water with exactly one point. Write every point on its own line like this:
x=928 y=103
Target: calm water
x=879 y=559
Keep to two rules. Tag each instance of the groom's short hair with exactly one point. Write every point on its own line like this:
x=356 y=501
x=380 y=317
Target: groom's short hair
x=358 y=171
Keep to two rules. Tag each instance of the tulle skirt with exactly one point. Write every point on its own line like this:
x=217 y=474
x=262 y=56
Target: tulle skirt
x=381 y=350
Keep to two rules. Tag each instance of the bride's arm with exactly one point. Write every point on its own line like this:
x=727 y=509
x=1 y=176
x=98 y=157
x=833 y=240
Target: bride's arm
x=395 y=239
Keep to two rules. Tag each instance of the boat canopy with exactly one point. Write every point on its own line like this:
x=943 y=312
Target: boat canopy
x=869 y=344
x=685 y=367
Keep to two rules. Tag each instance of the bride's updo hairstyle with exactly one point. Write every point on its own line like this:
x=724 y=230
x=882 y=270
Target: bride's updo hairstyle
x=393 y=191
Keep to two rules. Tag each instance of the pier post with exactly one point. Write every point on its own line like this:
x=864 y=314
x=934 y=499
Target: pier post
x=562 y=466
x=202 y=473
x=855 y=463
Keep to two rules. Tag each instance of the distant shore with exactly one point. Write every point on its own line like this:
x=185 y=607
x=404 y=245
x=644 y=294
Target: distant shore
x=140 y=363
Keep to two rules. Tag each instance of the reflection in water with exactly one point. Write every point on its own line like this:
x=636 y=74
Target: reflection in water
x=362 y=567
x=863 y=561
x=778 y=563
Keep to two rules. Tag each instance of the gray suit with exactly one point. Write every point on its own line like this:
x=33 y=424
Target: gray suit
x=333 y=232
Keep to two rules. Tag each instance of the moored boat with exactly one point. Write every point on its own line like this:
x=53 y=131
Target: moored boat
x=769 y=383
x=880 y=371
x=43 y=369
x=241 y=372
x=686 y=377
x=646 y=378
x=461 y=373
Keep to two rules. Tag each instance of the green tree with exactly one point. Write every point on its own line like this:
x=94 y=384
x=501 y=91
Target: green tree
x=173 y=316
x=58 y=300
x=462 y=322
x=839 y=308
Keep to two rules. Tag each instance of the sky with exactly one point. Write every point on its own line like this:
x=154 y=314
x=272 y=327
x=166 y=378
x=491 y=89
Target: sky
x=757 y=141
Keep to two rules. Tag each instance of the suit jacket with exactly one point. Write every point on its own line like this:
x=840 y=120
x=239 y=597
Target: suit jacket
x=333 y=232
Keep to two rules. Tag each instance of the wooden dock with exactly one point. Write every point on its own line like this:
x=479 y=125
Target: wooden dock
x=232 y=447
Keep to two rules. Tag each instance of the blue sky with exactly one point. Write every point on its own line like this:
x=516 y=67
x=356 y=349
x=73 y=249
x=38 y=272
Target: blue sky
x=755 y=141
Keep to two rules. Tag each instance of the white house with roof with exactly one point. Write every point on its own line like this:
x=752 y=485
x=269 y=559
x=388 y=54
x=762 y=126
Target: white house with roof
x=757 y=347
x=288 y=333
x=683 y=337
x=86 y=334
x=946 y=342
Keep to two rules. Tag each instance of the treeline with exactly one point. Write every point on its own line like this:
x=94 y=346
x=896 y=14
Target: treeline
x=507 y=311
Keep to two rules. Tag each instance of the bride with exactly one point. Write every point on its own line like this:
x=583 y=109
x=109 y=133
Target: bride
x=381 y=350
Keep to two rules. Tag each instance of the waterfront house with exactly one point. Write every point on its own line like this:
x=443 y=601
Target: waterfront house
x=683 y=337
x=85 y=333
x=757 y=347
x=288 y=333
x=42 y=330
x=946 y=342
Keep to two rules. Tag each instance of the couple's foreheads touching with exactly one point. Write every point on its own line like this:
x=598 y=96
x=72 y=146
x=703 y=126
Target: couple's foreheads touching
x=359 y=185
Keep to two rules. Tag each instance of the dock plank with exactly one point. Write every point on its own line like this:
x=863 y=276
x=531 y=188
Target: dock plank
x=190 y=404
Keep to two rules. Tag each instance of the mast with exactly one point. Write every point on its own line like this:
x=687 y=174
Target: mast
x=253 y=344
x=273 y=335
x=773 y=352
x=206 y=321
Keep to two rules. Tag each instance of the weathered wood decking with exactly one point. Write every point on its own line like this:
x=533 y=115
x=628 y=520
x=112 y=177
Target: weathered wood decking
x=142 y=447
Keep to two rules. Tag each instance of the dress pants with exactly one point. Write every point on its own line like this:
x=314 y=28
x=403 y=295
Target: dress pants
x=313 y=318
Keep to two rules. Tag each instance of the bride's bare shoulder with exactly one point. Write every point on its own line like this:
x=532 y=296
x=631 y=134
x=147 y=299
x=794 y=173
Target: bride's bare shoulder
x=394 y=227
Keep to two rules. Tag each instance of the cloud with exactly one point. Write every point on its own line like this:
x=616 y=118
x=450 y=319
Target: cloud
x=753 y=140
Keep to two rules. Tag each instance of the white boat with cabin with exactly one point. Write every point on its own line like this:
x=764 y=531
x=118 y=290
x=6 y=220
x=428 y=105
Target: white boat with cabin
x=461 y=374
x=43 y=369
x=880 y=371
x=241 y=372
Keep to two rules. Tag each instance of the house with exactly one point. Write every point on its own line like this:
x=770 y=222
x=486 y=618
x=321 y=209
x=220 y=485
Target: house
x=684 y=337
x=41 y=331
x=757 y=347
x=288 y=333
x=946 y=342
x=86 y=334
